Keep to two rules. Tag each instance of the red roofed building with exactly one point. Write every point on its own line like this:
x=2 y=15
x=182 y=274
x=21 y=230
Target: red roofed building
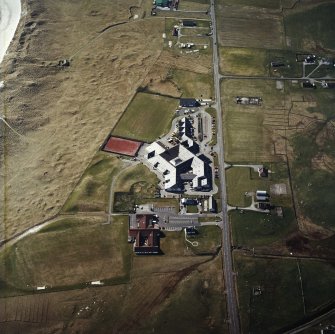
x=144 y=231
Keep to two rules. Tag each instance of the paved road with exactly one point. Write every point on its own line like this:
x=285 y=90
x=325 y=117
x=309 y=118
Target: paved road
x=233 y=318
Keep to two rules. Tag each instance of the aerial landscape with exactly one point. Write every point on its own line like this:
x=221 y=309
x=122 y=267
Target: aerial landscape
x=167 y=166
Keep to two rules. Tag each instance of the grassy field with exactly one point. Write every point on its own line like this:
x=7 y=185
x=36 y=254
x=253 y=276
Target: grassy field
x=197 y=301
x=249 y=129
x=209 y=240
x=278 y=280
x=68 y=253
x=273 y=4
x=238 y=28
x=253 y=61
x=92 y=191
x=135 y=185
x=254 y=229
x=148 y=117
x=311 y=28
x=193 y=84
x=313 y=161
x=281 y=291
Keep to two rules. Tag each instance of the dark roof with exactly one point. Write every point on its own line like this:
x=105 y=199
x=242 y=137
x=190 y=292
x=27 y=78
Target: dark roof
x=189 y=102
x=171 y=153
x=188 y=23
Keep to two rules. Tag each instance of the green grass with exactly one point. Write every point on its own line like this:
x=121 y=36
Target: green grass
x=312 y=26
x=92 y=191
x=147 y=117
x=308 y=182
x=318 y=283
x=254 y=229
x=241 y=180
x=67 y=254
x=279 y=304
x=209 y=239
x=135 y=185
x=272 y=4
x=197 y=307
x=246 y=137
x=243 y=61
x=193 y=84
x=192 y=209
x=174 y=243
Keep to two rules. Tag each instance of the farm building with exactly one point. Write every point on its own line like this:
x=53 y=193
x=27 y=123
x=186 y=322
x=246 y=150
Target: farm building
x=181 y=163
x=162 y=3
x=188 y=23
x=248 y=100
x=188 y=103
x=212 y=204
x=262 y=195
x=144 y=231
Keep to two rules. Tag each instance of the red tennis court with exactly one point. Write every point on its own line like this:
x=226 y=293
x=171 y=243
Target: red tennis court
x=122 y=146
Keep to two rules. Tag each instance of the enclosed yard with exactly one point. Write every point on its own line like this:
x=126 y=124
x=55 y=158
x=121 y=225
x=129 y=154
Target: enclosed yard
x=147 y=117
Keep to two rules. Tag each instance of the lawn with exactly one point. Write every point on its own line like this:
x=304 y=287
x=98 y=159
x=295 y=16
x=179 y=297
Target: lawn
x=254 y=229
x=209 y=239
x=311 y=27
x=92 y=191
x=67 y=254
x=135 y=185
x=240 y=180
x=147 y=117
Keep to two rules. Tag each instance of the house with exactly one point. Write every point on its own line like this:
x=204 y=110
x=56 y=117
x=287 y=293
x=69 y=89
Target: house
x=188 y=23
x=188 y=103
x=263 y=172
x=144 y=232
